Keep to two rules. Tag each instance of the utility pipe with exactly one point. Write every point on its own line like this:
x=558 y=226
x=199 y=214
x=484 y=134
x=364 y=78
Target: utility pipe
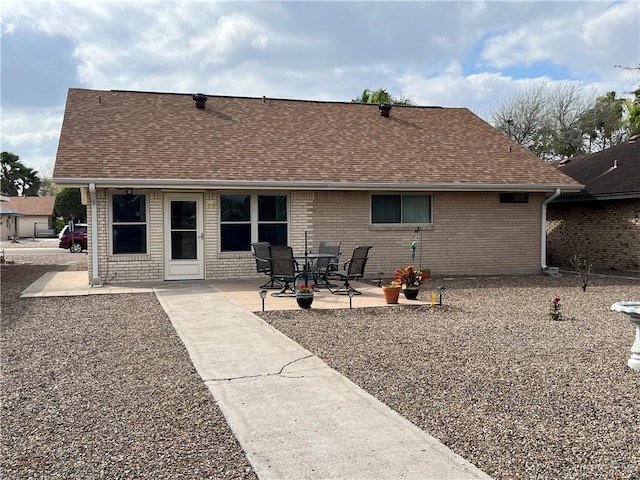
x=96 y=281
x=543 y=232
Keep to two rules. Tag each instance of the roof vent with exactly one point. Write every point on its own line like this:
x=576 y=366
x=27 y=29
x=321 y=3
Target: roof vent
x=385 y=108
x=200 y=100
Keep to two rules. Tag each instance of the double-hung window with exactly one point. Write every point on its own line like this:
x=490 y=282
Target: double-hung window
x=252 y=218
x=128 y=224
x=397 y=209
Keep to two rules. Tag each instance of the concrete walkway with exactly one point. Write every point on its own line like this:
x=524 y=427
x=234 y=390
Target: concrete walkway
x=294 y=416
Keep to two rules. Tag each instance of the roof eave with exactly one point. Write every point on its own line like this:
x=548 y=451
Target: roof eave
x=597 y=197
x=278 y=185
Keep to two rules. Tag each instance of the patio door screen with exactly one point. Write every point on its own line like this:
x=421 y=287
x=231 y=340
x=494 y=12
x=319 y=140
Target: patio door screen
x=183 y=237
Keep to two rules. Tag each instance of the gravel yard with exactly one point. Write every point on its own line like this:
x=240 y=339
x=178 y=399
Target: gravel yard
x=493 y=378
x=102 y=387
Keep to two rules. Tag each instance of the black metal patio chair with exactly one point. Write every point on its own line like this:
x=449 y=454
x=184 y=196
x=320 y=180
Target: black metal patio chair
x=354 y=270
x=261 y=255
x=324 y=266
x=284 y=269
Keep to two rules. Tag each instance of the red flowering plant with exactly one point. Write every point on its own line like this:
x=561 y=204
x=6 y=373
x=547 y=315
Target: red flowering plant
x=302 y=288
x=408 y=277
x=554 y=311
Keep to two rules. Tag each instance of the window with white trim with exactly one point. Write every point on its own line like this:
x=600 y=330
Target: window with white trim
x=252 y=218
x=129 y=226
x=398 y=209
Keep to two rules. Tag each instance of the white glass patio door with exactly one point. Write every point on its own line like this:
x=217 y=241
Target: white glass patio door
x=183 y=236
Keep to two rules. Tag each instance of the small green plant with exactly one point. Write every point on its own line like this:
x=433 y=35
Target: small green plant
x=554 y=310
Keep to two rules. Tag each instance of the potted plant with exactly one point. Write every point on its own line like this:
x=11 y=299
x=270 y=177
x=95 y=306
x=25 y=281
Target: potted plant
x=410 y=280
x=304 y=296
x=391 y=291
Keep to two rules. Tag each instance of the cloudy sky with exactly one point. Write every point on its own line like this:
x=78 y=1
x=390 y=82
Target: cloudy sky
x=454 y=54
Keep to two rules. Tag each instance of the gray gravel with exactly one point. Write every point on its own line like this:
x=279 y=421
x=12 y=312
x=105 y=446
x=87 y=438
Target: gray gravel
x=102 y=387
x=492 y=377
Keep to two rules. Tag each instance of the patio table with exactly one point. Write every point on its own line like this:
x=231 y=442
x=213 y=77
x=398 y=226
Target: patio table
x=309 y=260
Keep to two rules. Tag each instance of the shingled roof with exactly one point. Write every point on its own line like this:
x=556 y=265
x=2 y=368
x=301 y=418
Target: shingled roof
x=116 y=138
x=611 y=174
x=36 y=206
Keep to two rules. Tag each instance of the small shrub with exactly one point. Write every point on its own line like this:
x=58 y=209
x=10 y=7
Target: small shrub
x=583 y=266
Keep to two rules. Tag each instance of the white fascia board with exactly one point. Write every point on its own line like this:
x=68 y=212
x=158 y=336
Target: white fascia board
x=265 y=185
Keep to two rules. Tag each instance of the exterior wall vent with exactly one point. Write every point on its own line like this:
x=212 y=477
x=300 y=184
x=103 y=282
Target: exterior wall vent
x=200 y=100
x=385 y=108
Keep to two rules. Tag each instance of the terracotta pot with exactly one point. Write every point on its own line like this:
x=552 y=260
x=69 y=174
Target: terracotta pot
x=391 y=293
x=411 y=293
x=304 y=299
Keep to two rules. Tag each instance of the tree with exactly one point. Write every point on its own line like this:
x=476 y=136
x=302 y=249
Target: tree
x=604 y=121
x=47 y=187
x=566 y=104
x=381 y=96
x=18 y=179
x=562 y=120
x=523 y=118
x=632 y=113
x=69 y=204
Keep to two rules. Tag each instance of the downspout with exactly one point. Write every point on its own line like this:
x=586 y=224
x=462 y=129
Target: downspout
x=543 y=233
x=96 y=281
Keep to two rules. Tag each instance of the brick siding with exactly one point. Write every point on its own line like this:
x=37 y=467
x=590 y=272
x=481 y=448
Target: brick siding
x=471 y=233
x=608 y=233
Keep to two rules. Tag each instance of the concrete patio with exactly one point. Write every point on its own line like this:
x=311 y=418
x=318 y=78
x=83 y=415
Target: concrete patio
x=244 y=292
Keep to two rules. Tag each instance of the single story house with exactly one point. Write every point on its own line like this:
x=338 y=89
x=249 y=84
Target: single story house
x=38 y=216
x=602 y=222
x=178 y=185
x=8 y=222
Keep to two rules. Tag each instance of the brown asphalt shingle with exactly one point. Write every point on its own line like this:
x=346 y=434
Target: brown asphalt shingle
x=135 y=135
x=611 y=173
x=41 y=206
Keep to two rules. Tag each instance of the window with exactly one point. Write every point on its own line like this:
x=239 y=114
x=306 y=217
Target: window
x=129 y=224
x=514 y=198
x=272 y=219
x=400 y=209
x=252 y=218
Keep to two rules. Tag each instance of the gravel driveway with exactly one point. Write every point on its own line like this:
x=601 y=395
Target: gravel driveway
x=101 y=386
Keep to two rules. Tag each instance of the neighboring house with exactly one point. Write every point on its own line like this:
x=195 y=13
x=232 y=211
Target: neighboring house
x=38 y=216
x=8 y=222
x=178 y=186
x=602 y=222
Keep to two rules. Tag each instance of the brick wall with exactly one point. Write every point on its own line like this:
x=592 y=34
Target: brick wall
x=127 y=268
x=606 y=232
x=472 y=233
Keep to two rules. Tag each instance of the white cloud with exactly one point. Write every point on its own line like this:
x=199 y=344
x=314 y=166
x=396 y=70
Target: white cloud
x=584 y=38
x=33 y=125
x=436 y=53
x=32 y=134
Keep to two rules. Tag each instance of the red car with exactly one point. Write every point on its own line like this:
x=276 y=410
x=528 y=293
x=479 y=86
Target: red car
x=76 y=240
